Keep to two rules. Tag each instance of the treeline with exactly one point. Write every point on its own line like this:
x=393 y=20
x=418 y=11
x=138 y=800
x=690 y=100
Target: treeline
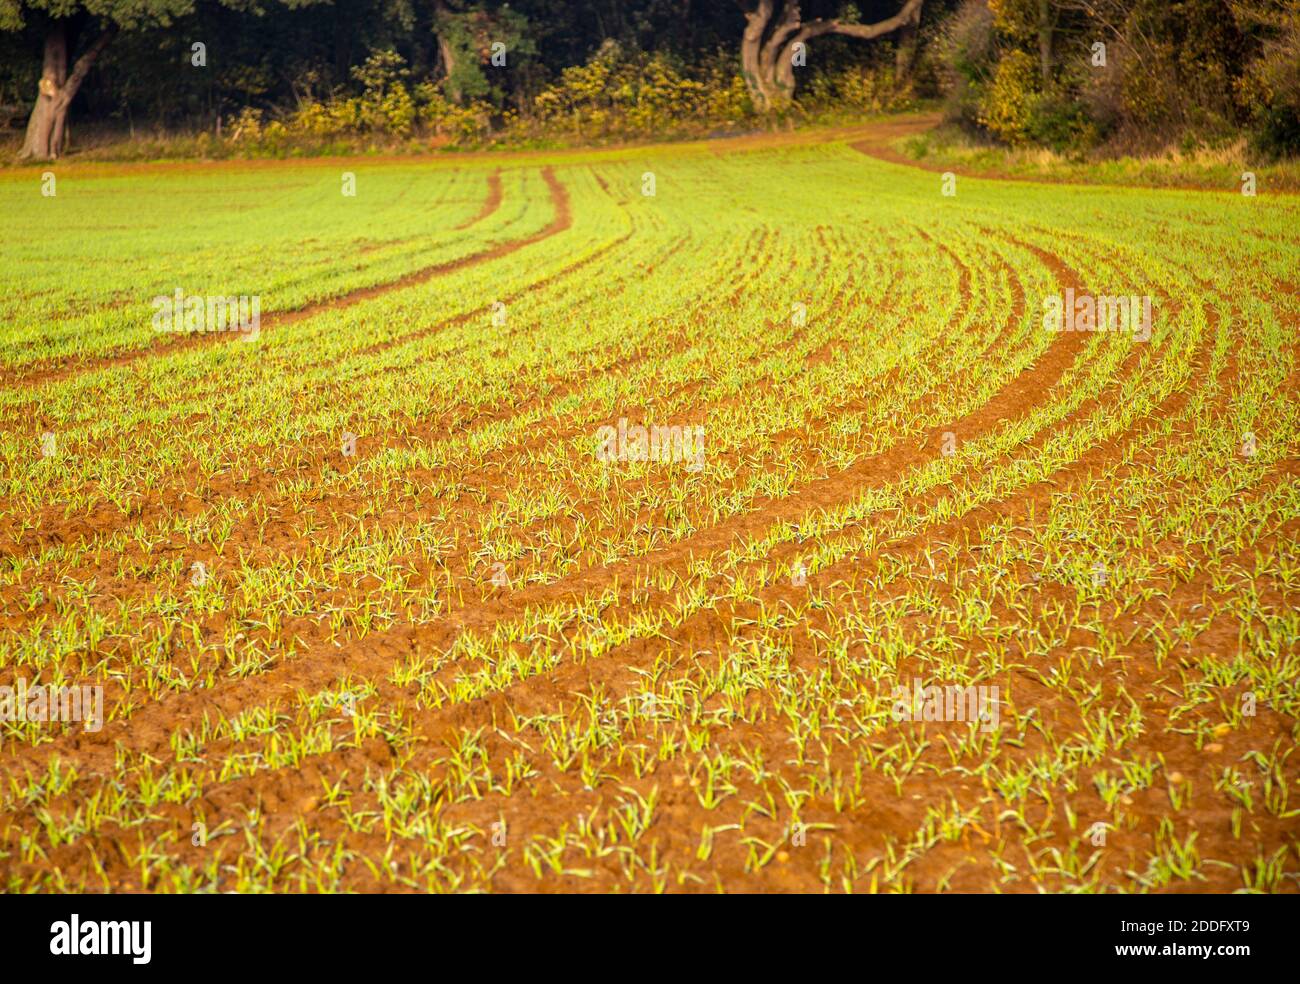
x=1136 y=74
x=280 y=76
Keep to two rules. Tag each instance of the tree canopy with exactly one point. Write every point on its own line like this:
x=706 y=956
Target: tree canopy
x=1017 y=70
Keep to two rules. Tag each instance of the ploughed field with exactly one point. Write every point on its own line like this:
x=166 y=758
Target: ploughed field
x=736 y=516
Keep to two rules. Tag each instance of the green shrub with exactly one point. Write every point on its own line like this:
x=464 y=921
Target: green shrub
x=617 y=94
x=1007 y=105
x=1276 y=133
x=1271 y=88
x=864 y=89
x=1059 y=123
x=965 y=56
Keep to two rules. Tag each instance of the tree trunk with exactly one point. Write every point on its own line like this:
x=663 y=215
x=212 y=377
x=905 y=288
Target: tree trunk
x=905 y=55
x=47 y=127
x=777 y=58
x=448 y=56
x=446 y=53
x=751 y=52
x=768 y=48
x=1046 y=28
x=38 y=143
x=782 y=68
